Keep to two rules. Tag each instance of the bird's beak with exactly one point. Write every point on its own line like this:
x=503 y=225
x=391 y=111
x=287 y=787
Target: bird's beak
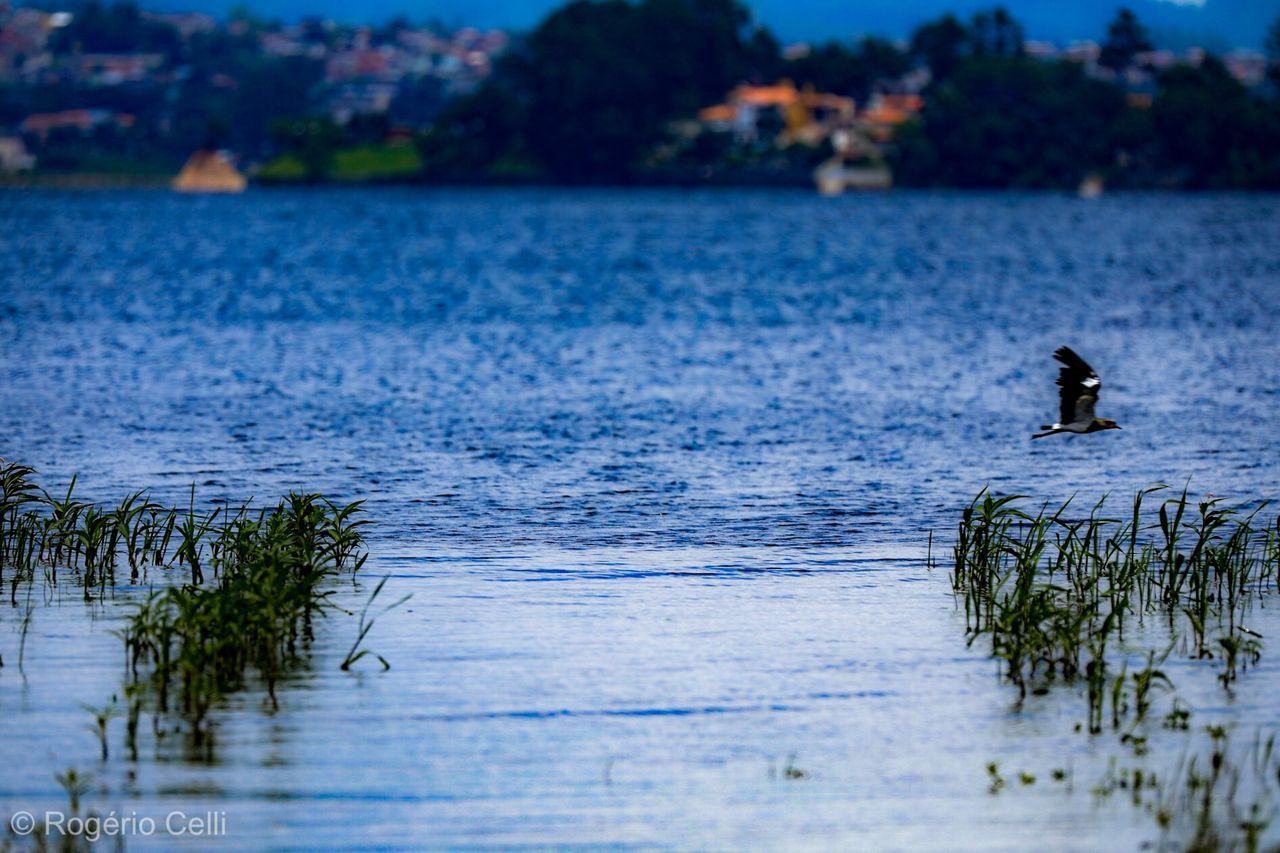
x=1117 y=426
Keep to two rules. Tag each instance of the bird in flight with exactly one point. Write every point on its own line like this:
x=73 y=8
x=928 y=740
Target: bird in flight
x=1078 y=389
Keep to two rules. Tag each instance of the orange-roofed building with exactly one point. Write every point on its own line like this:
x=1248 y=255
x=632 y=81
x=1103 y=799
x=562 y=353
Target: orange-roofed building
x=892 y=109
x=780 y=95
x=805 y=115
x=910 y=103
x=720 y=113
x=885 y=113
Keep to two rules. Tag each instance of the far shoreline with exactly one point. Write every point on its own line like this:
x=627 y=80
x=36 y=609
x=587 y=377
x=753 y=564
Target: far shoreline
x=91 y=183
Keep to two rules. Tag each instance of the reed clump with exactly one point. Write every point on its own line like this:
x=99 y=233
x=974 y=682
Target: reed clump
x=94 y=542
x=253 y=580
x=191 y=644
x=1102 y=602
x=1055 y=594
x=63 y=535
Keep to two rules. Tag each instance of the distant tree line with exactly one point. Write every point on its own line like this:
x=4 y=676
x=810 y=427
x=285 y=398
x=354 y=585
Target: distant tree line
x=585 y=95
x=588 y=94
x=590 y=90
x=996 y=118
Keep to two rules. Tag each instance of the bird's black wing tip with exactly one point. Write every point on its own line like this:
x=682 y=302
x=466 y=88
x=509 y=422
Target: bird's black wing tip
x=1073 y=361
x=1066 y=355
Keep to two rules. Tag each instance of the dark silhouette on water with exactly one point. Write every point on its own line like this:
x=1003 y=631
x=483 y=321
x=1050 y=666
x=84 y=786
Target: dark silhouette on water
x=1079 y=386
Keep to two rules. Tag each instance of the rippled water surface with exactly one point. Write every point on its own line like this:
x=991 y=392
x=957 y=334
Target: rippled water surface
x=659 y=470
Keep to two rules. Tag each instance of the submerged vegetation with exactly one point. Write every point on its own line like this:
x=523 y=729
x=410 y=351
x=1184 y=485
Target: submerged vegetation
x=252 y=582
x=1056 y=594
x=1218 y=796
x=1101 y=603
x=270 y=569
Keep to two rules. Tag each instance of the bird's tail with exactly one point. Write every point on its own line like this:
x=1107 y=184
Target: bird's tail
x=1052 y=428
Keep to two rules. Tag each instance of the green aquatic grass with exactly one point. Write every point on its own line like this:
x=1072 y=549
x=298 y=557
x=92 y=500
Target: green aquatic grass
x=102 y=718
x=1055 y=594
x=189 y=645
x=356 y=653
x=40 y=531
x=76 y=785
x=242 y=585
x=1102 y=603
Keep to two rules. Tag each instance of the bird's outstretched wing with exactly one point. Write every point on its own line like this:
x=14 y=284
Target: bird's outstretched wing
x=1078 y=387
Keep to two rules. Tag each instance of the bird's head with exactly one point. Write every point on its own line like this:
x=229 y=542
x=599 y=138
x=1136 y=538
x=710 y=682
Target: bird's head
x=1106 y=423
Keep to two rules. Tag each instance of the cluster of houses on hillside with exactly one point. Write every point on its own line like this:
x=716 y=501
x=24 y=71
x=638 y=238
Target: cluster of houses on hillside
x=364 y=69
x=390 y=54
x=777 y=116
x=785 y=115
x=363 y=74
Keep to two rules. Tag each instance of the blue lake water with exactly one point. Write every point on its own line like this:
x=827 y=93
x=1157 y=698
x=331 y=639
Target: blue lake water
x=659 y=469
